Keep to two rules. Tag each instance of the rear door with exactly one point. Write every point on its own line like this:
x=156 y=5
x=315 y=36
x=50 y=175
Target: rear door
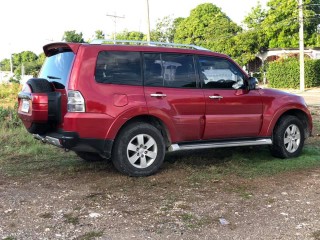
x=173 y=96
x=231 y=110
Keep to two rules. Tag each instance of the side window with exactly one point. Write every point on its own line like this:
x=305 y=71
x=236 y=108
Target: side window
x=153 y=69
x=220 y=73
x=119 y=68
x=170 y=70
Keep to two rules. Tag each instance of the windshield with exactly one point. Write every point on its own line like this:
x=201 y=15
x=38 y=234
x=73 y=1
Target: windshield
x=57 y=68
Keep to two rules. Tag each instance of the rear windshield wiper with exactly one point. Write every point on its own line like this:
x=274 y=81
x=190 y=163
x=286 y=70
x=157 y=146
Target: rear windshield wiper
x=52 y=77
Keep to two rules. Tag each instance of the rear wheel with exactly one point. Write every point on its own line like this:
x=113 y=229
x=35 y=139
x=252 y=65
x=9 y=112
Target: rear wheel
x=39 y=85
x=90 y=156
x=139 y=150
x=288 y=138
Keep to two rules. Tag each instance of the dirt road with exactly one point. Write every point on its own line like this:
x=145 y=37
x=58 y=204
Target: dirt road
x=107 y=205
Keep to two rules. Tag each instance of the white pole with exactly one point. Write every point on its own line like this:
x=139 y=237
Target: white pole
x=301 y=46
x=148 y=22
x=11 y=65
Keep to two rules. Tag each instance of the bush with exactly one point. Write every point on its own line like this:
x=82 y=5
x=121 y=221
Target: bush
x=9 y=117
x=9 y=94
x=285 y=73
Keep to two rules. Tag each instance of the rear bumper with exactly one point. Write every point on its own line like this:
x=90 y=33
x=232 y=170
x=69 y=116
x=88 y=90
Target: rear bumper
x=72 y=141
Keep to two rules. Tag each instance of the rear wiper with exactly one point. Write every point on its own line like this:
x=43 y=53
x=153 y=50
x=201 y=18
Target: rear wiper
x=52 y=77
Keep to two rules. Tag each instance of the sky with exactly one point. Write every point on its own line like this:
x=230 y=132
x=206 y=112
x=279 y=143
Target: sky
x=27 y=25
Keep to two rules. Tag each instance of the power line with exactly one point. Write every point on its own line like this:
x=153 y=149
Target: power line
x=115 y=18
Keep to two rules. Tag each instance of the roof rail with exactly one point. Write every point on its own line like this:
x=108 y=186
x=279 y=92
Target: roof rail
x=132 y=42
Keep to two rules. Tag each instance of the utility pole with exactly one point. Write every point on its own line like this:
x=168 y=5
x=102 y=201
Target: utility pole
x=11 y=64
x=115 y=17
x=148 y=22
x=0 y=74
x=301 y=45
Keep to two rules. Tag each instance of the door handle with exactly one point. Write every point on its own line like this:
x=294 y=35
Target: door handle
x=158 y=95
x=215 y=97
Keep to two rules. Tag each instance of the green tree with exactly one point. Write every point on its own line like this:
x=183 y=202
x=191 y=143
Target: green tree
x=72 y=36
x=133 y=35
x=28 y=56
x=41 y=58
x=5 y=64
x=99 y=34
x=254 y=19
x=28 y=61
x=281 y=24
x=246 y=45
x=165 y=29
x=207 y=26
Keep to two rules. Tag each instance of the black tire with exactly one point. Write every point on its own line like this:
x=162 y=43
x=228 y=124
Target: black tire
x=40 y=85
x=90 y=156
x=141 y=143
x=288 y=138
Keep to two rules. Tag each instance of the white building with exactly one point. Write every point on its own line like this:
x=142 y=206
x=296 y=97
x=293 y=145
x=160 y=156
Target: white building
x=275 y=53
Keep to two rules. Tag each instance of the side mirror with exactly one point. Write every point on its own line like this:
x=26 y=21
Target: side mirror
x=252 y=83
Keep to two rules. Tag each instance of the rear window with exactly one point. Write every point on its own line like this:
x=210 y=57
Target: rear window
x=57 y=68
x=119 y=68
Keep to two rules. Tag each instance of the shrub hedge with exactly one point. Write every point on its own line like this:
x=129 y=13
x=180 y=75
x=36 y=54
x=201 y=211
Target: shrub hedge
x=285 y=73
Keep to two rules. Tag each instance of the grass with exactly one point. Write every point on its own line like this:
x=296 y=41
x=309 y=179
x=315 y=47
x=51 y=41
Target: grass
x=21 y=155
x=9 y=238
x=247 y=162
x=192 y=221
x=70 y=218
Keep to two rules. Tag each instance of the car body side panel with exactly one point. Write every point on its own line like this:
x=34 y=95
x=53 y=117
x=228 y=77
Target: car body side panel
x=181 y=109
x=238 y=113
x=276 y=103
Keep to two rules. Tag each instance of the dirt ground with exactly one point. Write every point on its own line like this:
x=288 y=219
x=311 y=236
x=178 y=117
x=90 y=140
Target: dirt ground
x=108 y=205
x=111 y=206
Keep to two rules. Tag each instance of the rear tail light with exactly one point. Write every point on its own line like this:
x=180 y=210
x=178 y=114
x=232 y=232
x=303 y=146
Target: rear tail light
x=75 y=102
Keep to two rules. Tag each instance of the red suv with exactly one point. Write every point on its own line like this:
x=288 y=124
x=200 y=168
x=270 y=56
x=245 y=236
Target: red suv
x=132 y=103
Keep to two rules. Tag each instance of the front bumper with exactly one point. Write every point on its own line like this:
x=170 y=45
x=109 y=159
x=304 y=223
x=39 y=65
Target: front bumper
x=72 y=141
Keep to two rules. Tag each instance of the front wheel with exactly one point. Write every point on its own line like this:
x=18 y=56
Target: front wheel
x=288 y=138
x=139 y=150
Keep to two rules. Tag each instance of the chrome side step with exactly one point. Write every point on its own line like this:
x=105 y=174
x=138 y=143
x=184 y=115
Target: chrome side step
x=47 y=139
x=238 y=143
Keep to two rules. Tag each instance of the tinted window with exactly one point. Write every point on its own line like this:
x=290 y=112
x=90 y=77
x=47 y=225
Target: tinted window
x=220 y=73
x=169 y=70
x=153 y=69
x=57 y=68
x=119 y=68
